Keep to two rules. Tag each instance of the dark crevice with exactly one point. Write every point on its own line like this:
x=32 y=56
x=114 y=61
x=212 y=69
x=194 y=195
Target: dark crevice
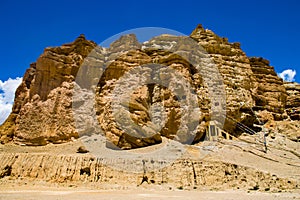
x=194 y=173
x=150 y=90
x=6 y=172
x=86 y=171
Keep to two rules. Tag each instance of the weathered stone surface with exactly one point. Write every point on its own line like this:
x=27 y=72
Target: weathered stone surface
x=145 y=97
x=237 y=74
x=293 y=100
x=182 y=174
x=252 y=85
x=42 y=112
x=40 y=122
x=42 y=108
x=59 y=64
x=268 y=92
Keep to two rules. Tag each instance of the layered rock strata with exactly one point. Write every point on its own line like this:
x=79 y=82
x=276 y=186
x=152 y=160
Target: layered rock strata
x=293 y=100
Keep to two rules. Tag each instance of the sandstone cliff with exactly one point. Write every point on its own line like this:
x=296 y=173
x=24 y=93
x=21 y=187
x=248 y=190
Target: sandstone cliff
x=251 y=84
x=42 y=112
x=42 y=107
x=293 y=100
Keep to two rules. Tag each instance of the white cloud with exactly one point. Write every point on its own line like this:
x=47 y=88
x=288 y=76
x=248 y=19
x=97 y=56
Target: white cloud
x=288 y=75
x=7 y=95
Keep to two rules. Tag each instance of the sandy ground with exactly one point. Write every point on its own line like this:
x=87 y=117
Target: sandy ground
x=140 y=194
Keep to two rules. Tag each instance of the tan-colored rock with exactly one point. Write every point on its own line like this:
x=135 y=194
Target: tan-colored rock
x=293 y=100
x=187 y=174
x=269 y=92
x=237 y=75
x=43 y=111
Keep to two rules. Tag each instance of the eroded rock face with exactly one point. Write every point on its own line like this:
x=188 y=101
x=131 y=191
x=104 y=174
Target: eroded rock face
x=184 y=173
x=237 y=74
x=44 y=104
x=293 y=100
x=252 y=85
x=268 y=92
x=42 y=109
x=40 y=122
x=141 y=123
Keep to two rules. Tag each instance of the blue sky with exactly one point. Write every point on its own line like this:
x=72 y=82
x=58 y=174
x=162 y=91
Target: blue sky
x=270 y=29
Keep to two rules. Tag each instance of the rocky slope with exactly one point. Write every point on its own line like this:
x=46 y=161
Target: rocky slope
x=183 y=174
x=44 y=104
x=230 y=165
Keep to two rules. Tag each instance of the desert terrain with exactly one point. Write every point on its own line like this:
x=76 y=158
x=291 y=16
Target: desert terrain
x=225 y=169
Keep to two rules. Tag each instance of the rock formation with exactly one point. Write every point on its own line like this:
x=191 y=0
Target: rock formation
x=251 y=84
x=269 y=92
x=43 y=108
x=293 y=100
x=183 y=174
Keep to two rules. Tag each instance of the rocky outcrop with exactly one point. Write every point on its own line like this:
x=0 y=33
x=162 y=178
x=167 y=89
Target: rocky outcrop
x=237 y=75
x=144 y=125
x=252 y=85
x=293 y=100
x=44 y=104
x=268 y=92
x=42 y=108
